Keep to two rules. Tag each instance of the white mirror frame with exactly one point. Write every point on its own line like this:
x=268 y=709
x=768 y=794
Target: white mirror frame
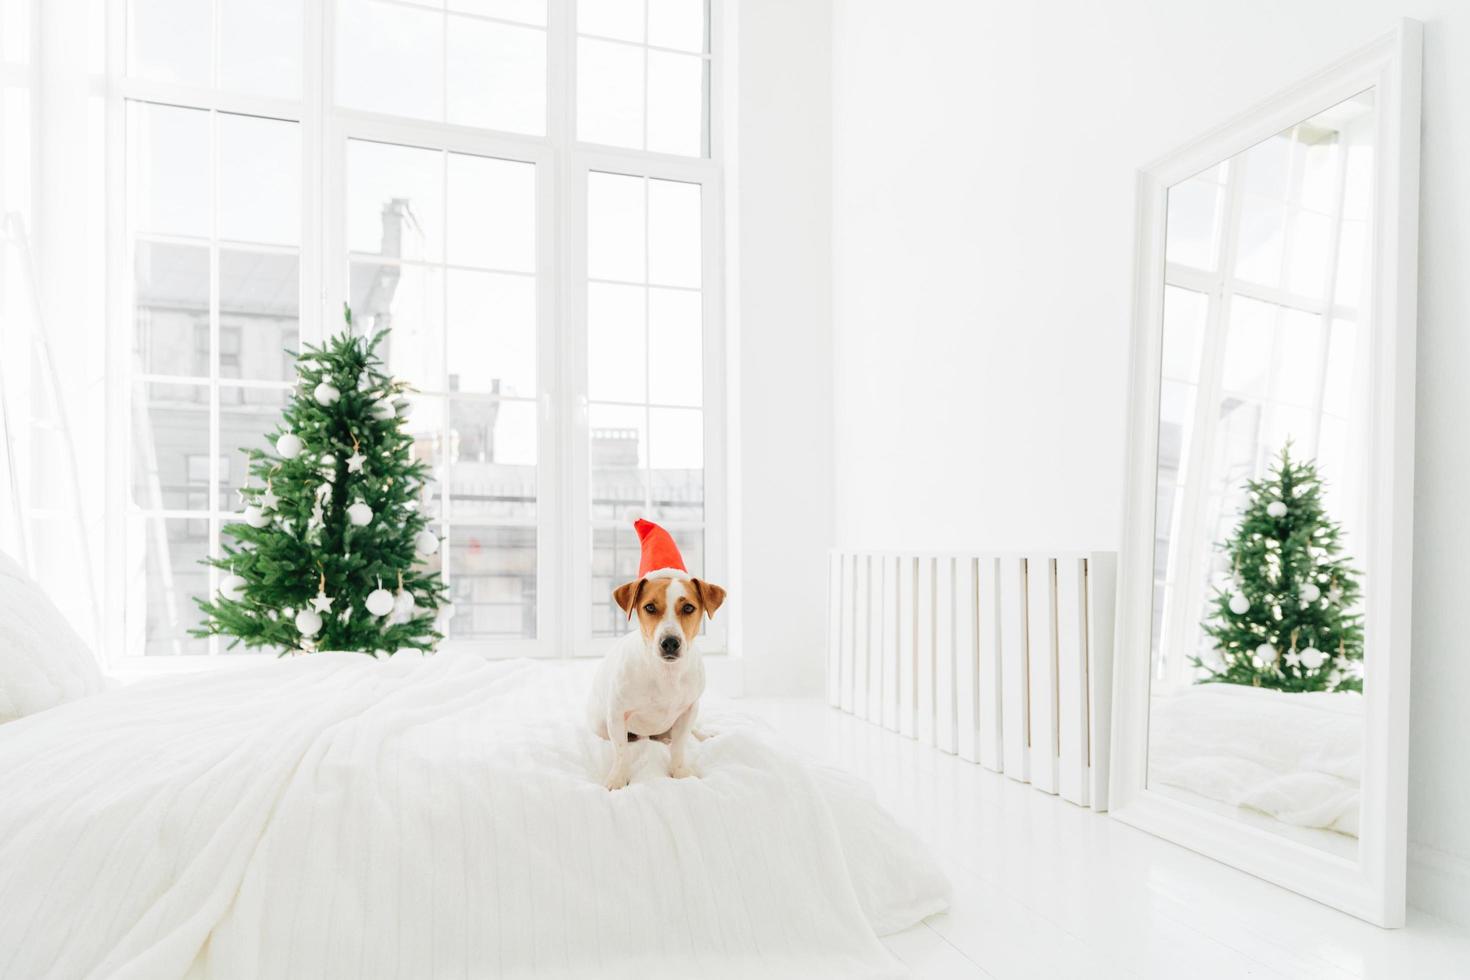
x=1372 y=885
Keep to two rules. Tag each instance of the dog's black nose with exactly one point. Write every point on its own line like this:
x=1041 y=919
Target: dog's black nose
x=670 y=647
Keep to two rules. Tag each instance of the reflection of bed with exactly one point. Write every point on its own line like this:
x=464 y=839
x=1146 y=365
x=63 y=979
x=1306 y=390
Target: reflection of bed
x=336 y=816
x=1292 y=758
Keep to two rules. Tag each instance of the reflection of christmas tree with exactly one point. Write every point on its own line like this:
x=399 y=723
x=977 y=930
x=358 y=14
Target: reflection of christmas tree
x=334 y=524
x=1286 y=622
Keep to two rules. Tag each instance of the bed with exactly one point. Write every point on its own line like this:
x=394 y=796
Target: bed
x=1279 y=758
x=340 y=816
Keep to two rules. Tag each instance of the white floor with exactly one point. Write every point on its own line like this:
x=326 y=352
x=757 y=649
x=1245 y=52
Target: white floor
x=1046 y=889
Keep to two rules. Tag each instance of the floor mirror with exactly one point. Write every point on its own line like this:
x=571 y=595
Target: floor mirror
x=1262 y=657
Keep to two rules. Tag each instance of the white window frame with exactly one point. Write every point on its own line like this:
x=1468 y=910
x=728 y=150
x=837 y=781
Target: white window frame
x=563 y=491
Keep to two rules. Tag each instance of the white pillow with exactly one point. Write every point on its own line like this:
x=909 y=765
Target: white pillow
x=43 y=662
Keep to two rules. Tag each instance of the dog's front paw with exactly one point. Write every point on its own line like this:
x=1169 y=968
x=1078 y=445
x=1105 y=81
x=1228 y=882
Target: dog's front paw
x=617 y=780
x=680 y=772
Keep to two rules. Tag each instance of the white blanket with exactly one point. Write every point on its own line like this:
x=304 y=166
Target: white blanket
x=1294 y=757
x=336 y=816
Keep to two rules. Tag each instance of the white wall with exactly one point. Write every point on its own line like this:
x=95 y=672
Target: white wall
x=780 y=234
x=984 y=156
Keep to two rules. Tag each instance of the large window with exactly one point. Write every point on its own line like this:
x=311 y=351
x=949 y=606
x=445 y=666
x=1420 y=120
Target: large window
x=523 y=191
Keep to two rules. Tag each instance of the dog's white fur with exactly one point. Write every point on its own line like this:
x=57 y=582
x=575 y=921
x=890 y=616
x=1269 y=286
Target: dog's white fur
x=638 y=692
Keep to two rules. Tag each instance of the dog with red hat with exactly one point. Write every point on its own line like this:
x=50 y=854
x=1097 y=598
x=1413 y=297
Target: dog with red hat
x=649 y=684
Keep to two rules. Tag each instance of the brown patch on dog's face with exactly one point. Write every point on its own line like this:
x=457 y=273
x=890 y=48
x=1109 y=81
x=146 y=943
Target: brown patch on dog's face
x=669 y=607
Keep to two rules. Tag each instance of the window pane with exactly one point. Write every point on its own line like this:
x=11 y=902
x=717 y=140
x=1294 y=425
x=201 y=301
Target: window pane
x=675 y=347
x=494 y=472
x=677 y=24
x=1300 y=351
x=609 y=93
x=492 y=581
x=247 y=419
x=619 y=448
x=169 y=171
x=1195 y=211
x=171 y=317
x=260 y=47
x=259 y=299
x=259 y=180
x=615 y=227
x=1247 y=365
x=171 y=446
x=676 y=463
x=1184 y=332
x=395 y=200
x=1262 y=233
x=492 y=221
x=674 y=251
x=408 y=300
x=492 y=333
x=1306 y=271
x=611 y=18
x=497 y=75
x=615 y=556
x=675 y=103
x=169 y=40
x=616 y=353
x=426 y=423
x=525 y=11
x=390 y=59
x=160 y=606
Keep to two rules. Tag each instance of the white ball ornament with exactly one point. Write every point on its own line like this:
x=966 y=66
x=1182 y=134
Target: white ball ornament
x=382 y=410
x=308 y=622
x=1311 y=592
x=360 y=514
x=232 y=587
x=326 y=394
x=403 y=604
x=379 y=602
x=289 y=445
x=1267 y=653
x=1276 y=509
x=425 y=543
x=1239 y=604
x=1312 y=658
x=256 y=517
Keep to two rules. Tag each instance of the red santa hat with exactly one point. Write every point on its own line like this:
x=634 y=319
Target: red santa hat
x=661 y=557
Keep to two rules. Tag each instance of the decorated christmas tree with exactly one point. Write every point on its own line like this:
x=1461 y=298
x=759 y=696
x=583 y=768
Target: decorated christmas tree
x=1288 y=620
x=329 y=552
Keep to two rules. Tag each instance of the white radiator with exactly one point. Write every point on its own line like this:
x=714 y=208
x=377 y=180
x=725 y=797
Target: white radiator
x=1005 y=660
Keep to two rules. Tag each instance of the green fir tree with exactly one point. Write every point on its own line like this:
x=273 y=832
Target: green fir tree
x=330 y=551
x=1288 y=620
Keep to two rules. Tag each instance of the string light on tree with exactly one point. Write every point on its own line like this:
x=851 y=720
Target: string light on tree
x=312 y=522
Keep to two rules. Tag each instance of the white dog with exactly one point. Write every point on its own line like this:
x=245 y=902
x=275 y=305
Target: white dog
x=650 y=682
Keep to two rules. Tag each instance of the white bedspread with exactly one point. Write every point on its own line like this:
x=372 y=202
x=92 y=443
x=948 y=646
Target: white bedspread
x=1295 y=757
x=335 y=816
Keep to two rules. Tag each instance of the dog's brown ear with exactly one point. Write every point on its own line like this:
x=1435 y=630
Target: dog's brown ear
x=626 y=595
x=711 y=596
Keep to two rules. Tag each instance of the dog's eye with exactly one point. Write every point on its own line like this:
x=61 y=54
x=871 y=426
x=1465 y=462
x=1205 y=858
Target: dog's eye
x=650 y=608
x=688 y=609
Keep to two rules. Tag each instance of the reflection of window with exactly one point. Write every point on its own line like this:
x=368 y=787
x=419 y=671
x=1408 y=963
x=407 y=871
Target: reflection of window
x=1265 y=258
x=547 y=297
